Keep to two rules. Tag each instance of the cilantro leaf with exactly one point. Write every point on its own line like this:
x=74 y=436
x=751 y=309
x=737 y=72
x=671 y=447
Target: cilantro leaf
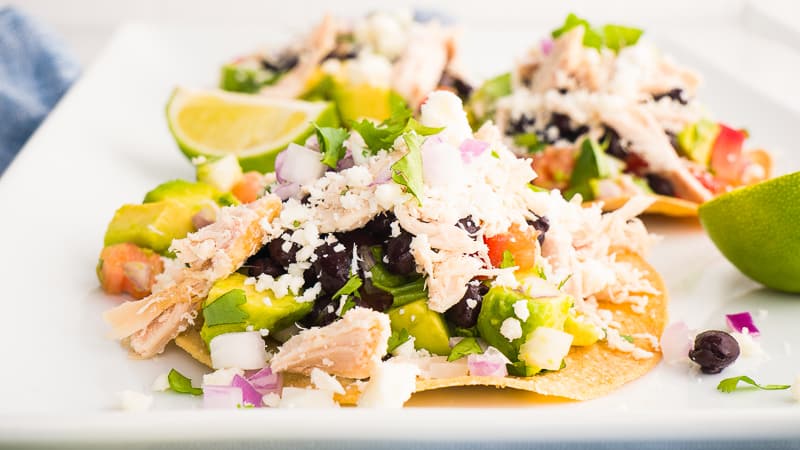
x=225 y=309
x=508 y=260
x=397 y=339
x=352 y=285
x=729 y=385
x=530 y=141
x=382 y=136
x=617 y=36
x=564 y=281
x=540 y=272
x=613 y=37
x=181 y=384
x=467 y=346
x=331 y=144
x=627 y=337
x=407 y=171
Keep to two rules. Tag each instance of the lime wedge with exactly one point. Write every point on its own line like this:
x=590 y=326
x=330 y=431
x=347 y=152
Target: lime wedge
x=756 y=229
x=214 y=123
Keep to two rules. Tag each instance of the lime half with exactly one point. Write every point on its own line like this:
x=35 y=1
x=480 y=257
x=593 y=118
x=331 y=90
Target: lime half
x=255 y=129
x=756 y=228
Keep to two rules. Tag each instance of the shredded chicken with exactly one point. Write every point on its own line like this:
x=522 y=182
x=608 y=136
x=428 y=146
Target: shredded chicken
x=351 y=347
x=319 y=44
x=570 y=65
x=211 y=253
x=420 y=67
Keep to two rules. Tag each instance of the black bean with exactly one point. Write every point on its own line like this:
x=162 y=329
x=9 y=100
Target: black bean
x=381 y=225
x=322 y=313
x=461 y=314
x=462 y=88
x=398 y=254
x=714 y=350
x=615 y=147
x=542 y=224
x=263 y=265
x=281 y=256
x=331 y=267
x=676 y=94
x=660 y=185
x=280 y=63
x=372 y=297
x=520 y=125
x=358 y=237
x=468 y=225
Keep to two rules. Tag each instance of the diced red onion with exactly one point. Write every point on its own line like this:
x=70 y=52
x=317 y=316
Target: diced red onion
x=383 y=177
x=221 y=397
x=471 y=149
x=546 y=45
x=741 y=321
x=490 y=363
x=265 y=381
x=286 y=190
x=299 y=165
x=676 y=342
x=249 y=394
x=139 y=273
x=346 y=162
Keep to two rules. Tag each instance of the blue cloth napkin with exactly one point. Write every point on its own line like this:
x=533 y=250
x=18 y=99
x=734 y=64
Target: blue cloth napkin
x=35 y=71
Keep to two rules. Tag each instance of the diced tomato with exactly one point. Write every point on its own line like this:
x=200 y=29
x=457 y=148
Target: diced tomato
x=726 y=154
x=127 y=268
x=249 y=188
x=521 y=244
x=635 y=164
x=553 y=167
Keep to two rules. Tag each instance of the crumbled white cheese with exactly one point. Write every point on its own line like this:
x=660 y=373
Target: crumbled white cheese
x=271 y=400
x=221 y=377
x=310 y=294
x=325 y=382
x=506 y=278
x=133 y=401
x=472 y=303
x=395 y=229
x=338 y=248
x=161 y=383
x=748 y=346
x=511 y=329
x=444 y=109
x=293 y=397
x=521 y=310
x=264 y=332
x=389 y=386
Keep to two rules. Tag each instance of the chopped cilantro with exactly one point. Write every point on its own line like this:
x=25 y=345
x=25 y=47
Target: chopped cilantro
x=352 y=285
x=407 y=171
x=540 y=272
x=529 y=141
x=225 y=309
x=467 y=346
x=397 y=339
x=331 y=144
x=520 y=369
x=296 y=224
x=245 y=406
x=348 y=305
x=564 y=281
x=382 y=136
x=729 y=385
x=508 y=260
x=181 y=384
x=613 y=37
x=627 y=337
x=535 y=188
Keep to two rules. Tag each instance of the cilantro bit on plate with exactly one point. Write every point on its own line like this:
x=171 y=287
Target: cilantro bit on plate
x=729 y=385
x=466 y=346
x=181 y=384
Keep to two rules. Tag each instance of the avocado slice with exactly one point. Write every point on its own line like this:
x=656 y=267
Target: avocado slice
x=356 y=102
x=697 y=140
x=428 y=328
x=583 y=333
x=150 y=225
x=241 y=306
x=498 y=305
x=194 y=195
x=247 y=80
x=592 y=163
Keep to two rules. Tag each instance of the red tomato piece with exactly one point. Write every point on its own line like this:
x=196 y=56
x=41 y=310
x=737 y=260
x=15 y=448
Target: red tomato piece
x=521 y=244
x=249 y=188
x=726 y=154
x=127 y=268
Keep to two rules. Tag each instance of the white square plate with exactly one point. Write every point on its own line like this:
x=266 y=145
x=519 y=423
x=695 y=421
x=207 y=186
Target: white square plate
x=107 y=143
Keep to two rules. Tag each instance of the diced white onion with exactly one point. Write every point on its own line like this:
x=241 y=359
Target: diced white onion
x=546 y=348
x=293 y=397
x=300 y=165
x=243 y=350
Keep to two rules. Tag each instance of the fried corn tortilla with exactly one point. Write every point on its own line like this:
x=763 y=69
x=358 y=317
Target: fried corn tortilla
x=668 y=206
x=590 y=372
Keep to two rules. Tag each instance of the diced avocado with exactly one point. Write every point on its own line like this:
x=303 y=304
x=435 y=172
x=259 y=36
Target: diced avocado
x=697 y=140
x=244 y=79
x=591 y=163
x=428 y=328
x=356 y=102
x=498 y=305
x=583 y=333
x=221 y=173
x=194 y=195
x=259 y=310
x=150 y=225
